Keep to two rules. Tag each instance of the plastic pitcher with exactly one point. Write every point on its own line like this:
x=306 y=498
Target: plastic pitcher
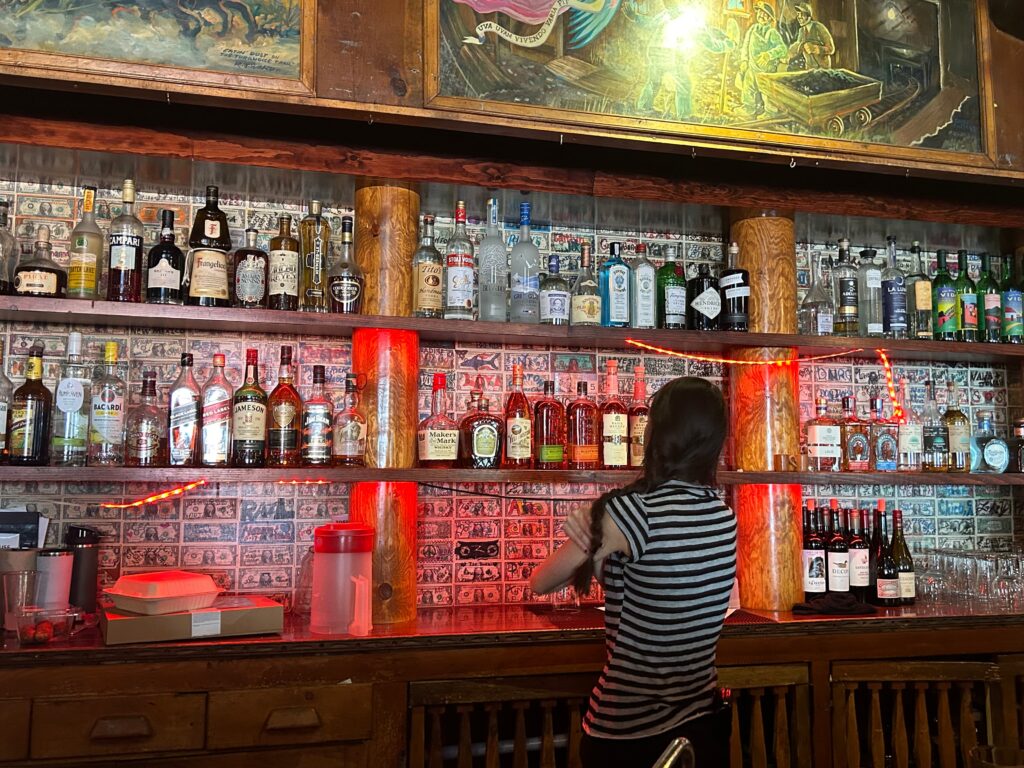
x=342 y=580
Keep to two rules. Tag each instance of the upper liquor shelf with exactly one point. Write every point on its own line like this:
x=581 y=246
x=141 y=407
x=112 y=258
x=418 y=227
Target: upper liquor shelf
x=711 y=343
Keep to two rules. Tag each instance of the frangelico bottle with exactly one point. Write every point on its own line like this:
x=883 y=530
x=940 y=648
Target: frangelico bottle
x=209 y=244
x=249 y=417
x=315 y=235
x=284 y=268
x=28 y=421
x=346 y=281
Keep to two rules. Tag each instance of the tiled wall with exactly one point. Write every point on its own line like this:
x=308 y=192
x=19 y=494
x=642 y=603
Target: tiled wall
x=475 y=543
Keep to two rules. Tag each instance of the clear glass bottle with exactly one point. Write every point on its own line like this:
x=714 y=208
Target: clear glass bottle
x=554 y=295
x=884 y=438
x=846 y=293
x=124 y=264
x=549 y=429
x=524 y=272
x=734 y=283
x=990 y=309
x=919 y=297
x=614 y=421
x=284 y=417
x=911 y=434
x=966 y=301
x=184 y=417
x=856 y=438
x=989 y=453
x=318 y=423
x=315 y=238
x=164 y=265
x=428 y=275
x=28 y=422
x=107 y=412
x=437 y=436
x=8 y=251
x=583 y=430
x=869 y=292
x=672 y=291
x=703 y=301
x=84 y=250
x=518 y=425
x=639 y=412
x=823 y=440
x=1012 y=301
x=40 y=275
x=643 y=292
x=817 y=312
x=614 y=282
x=218 y=395
x=935 y=457
x=904 y=561
x=945 y=312
x=6 y=393
x=284 y=268
x=493 y=258
x=144 y=428
x=71 y=403
x=249 y=417
x=460 y=296
x=209 y=243
x=251 y=273
x=346 y=280
x=350 y=428
x=959 y=429
x=894 y=295
x=586 y=297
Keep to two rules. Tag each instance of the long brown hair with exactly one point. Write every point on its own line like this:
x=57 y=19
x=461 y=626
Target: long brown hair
x=686 y=429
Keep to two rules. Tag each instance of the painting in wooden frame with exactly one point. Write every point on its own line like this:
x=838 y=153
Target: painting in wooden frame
x=256 y=45
x=892 y=79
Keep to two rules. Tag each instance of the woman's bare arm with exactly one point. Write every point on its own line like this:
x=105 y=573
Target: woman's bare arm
x=558 y=569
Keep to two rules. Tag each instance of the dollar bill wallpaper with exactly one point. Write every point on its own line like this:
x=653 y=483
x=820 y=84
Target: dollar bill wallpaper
x=894 y=72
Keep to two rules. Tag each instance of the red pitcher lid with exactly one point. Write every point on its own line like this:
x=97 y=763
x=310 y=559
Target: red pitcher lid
x=342 y=538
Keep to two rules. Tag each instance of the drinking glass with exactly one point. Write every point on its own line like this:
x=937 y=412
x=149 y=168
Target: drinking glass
x=565 y=599
x=19 y=591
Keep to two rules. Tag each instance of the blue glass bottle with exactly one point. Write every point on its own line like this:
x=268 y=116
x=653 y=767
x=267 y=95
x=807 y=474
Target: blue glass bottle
x=614 y=282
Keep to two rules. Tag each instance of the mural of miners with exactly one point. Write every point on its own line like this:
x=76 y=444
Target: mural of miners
x=762 y=51
x=814 y=46
x=667 y=87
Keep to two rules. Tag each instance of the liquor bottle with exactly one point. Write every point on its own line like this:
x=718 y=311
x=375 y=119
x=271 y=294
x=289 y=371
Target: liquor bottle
x=735 y=286
x=823 y=440
x=346 y=281
x=106 y=413
x=935 y=457
x=251 y=273
x=554 y=295
x=614 y=422
x=703 y=301
x=869 y=292
x=643 y=311
x=28 y=424
x=549 y=428
x=959 y=428
x=846 y=293
x=480 y=437
x=945 y=316
x=524 y=272
x=8 y=251
x=41 y=275
x=1012 y=302
x=284 y=417
x=318 y=423
x=639 y=412
x=437 y=437
x=856 y=438
x=284 y=268
x=812 y=556
x=144 y=428
x=887 y=571
x=124 y=264
x=218 y=396
x=838 y=554
x=894 y=296
x=518 y=424
x=583 y=428
x=164 y=265
x=884 y=438
x=816 y=316
x=672 y=291
x=615 y=283
x=990 y=308
x=493 y=258
x=315 y=238
x=860 y=572
x=919 y=297
x=350 y=428
x=988 y=452
x=585 y=307
x=428 y=275
x=84 y=250
x=460 y=271
x=6 y=394
x=904 y=561
x=209 y=243
x=71 y=402
x=966 y=301
x=911 y=435
x=249 y=417
x=184 y=417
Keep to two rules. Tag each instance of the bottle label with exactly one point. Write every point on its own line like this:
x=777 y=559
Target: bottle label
x=345 y=292
x=888 y=589
x=848 y=301
x=184 y=427
x=209 y=274
x=838 y=571
x=814 y=571
x=825 y=324
x=1013 y=308
x=873 y=278
x=618 y=294
x=675 y=305
x=3 y=424
x=936 y=439
x=907 y=588
x=968 y=311
x=923 y=296
x=996 y=455
x=72 y=439
x=586 y=310
x=143 y=442
x=885 y=448
x=911 y=439
x=438 y=444
x=554 y=305
x=284 y=431
x=35 y=281
x=107 y=418
x=824 y=442
x=211 y=229
x=283 y=273
x=250 y=279
x=637 y=430
x=518 y=438
x=485 y=441
x=124 y=251
x=34 y=368
x=316 y=433
x=350 y=439
x=959 y=438
x=82 y=270
x=736 y=293
x=583 y=454
x=524 y=284
x=860 y=574
x=70 y=396
x=645 y=310
x=460 y=281
x=217 y=429
x=735 y=279
x=249 y=422
x=894 y=305
x=551 y=454
x=163 y=275
x=708 y=303
x=858 y=452
x=428 y=286
x=947 y=319
x=614 y=436
x=993 y=312
x=25 y=423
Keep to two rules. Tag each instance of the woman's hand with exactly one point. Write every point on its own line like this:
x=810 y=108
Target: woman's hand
x=577 y=528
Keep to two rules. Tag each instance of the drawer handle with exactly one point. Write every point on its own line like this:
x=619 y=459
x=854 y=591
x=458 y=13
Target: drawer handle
x=121 y=727
x=292 y=719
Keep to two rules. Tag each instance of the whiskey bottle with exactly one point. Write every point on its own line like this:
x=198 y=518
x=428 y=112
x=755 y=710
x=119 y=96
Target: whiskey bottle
x=106 y=413
x=184 y=418
x=585 y=304
x=554 y=295
x=481 y=434
x=672 y=291
x=518 y=424
x=935 y=457
x=614 y=422
x=71 y=403
x=28 y=425
x=218 y=395
x=549 y=427
x=584 y=432
x=703 y=301
x=164 y=265
x=124 y=265
x=318 y=423
x=959 y=428
x=283 y=269
x=846 y=293
x=945 y=313
x=249 y=417
x=41 y=275
x=437 y=437
x=209 y=243
x=823 y=440
x=251 y=273
x=966 y=301
x=6 y=394
x=350 y=428
x=315 y=235
x=734 y=283
x=856 y=439
x=8 y=251
x=428 y=275
x=638 y=415
x=145 y=428
x=346 y=281
x=284 y=447
x=643 y=292
x=84 y=250
x=460 y=271
x=884 y=439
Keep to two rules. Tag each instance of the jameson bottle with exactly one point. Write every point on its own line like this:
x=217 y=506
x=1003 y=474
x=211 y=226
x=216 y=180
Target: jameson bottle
x=346 y=281
x=218 y=395
x=317 y=423
x=71 y=404
x=990 y=308
x=124 y=266
x=107 y=412
x=185 y=404
x=84 y=250
x=946 y=320
x=209 y=245
x=251 y=273
x=28 y=423
x=1012 y=301
x=315 y=235
x=284 y=448
x=249 y=417
x=164 y=265
x=283 y=270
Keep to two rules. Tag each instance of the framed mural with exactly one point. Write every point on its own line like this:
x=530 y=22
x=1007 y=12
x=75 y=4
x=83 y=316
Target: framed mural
x=891 y=78
x=255 y=44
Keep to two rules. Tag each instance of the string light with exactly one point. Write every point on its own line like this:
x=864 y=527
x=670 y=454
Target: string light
x=890 y=383
x=730 y=361
x=304 y=482
x=156 y=496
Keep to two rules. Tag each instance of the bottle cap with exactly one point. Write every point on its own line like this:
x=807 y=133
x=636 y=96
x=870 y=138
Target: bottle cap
x=428 y=218
x=810 y=504
x=167 y=219
x=671 y=252
x=485 y=403
x=318 y=374
x=460 y=212
x=43 y=235
x=252 y=356
x=581 y=388
x=74 y=343
x=641 y=249
x=128 y=191
x=440 y=381
x=186 y=360
x=834 y=503
x=517 y=371
x=881 y=505
x=346 y=225
x=611 y=366
x=614 y=249
x=110 y=352
x=315 y=208
x=218 y=360
x=36 y=350
x=286 y=354
x=639 y=371
x=549 y=387
x=212 y=193
x=553 y=263
x=285 y=219
x=251 y=233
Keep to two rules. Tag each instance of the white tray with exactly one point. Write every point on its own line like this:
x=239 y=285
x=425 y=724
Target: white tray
x=153 y=606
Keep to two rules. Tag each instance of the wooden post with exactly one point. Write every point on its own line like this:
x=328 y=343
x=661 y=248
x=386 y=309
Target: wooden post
x=765 y=416
x=387 y=220
x=389 y=361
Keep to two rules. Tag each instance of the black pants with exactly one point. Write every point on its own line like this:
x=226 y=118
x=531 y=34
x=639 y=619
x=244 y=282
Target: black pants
x=709 y=736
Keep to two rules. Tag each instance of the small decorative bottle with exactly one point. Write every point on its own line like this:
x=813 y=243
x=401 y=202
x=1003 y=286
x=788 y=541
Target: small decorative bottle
x=856 y=439
x=251 y=272
x=350 y=428
x=144 y=428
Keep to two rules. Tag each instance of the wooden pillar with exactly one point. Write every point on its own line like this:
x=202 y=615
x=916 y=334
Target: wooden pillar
x=765 y=416
x=387 y=223
x=389 y=360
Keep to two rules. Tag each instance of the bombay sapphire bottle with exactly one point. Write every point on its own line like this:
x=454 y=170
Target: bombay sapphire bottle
x=614 y=279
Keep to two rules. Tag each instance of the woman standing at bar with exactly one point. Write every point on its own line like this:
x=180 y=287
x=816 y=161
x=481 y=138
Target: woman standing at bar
x=664 y=548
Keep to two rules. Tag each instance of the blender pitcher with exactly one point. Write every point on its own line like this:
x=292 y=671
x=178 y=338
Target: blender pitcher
x=342 y=580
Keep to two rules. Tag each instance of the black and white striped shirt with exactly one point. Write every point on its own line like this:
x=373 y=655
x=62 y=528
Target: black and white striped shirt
x=664 y=610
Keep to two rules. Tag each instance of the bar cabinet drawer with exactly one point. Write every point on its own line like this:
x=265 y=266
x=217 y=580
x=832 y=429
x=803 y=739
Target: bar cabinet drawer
x=309 y=715
x=117 y=724
x=15 y=717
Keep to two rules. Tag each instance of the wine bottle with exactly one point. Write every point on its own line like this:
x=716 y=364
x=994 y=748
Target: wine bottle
x=838 y=558
x=860 y=555
x=904 y=560
x=813 y=556
x=887 y=583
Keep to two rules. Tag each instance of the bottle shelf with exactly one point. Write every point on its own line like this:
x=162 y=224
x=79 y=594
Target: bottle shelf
x=712 y=343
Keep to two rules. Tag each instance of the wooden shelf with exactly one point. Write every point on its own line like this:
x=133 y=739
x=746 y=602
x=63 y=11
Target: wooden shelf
x=104 y=313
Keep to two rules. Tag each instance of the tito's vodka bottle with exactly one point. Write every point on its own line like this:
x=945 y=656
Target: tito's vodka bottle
x=215 y=447
x=427 y=275
x=124 y=268
x=493 y=270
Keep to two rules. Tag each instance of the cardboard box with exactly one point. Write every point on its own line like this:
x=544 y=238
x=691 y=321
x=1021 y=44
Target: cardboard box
x=228 y=617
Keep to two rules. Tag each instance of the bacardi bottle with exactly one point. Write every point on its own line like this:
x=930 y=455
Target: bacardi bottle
x=107 y=412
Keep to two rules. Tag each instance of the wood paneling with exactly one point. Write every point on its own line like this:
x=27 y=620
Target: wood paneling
x=387 y=220
x=15 y=717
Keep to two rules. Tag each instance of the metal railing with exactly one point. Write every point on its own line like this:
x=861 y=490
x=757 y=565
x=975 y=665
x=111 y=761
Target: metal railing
x=678 y=754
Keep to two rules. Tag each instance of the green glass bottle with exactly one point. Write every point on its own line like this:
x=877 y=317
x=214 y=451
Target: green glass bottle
x=989 y=303
x=966 y=301
x=1012 y=301
x=946 y=321
x=671 y=281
